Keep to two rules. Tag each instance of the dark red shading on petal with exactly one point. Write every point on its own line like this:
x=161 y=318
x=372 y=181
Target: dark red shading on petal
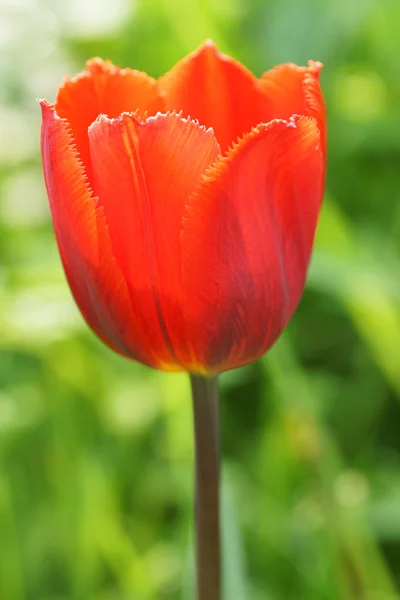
x=295 y=90
x=93 y=275
x=104 y=89
x=218 y=91
x=143 y=173
x=247 y=239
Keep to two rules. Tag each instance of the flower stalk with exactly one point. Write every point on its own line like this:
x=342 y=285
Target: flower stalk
x=207 y=498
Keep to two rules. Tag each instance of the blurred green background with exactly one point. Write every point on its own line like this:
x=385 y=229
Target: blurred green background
x=96 y=453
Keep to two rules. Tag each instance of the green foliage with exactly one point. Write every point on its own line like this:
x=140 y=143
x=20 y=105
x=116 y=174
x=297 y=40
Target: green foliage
x=95 y=452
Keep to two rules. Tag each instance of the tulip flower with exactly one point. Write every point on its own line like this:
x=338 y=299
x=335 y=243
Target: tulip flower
x=185 y=207
x=185 y=210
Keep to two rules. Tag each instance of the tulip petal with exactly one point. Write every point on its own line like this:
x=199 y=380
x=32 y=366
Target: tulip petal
x=218 y=91
x=296 y=90
x=104 y=89
x=143 y=173
x=247 y=239
x=96 y=282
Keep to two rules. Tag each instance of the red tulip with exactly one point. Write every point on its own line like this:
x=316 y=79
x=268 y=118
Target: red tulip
x=185 y=207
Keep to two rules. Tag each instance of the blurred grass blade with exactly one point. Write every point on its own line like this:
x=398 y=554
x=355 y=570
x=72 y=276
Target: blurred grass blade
x=234 y=583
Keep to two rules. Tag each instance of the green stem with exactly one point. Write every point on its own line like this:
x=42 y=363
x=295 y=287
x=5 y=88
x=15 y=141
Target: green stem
x=206 y=429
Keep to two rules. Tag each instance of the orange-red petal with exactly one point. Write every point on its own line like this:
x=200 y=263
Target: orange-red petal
x=94 y=277
x=247 y=239
x=143 y=173
x=218 y=91
x=104 y=89
x=291 y=89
